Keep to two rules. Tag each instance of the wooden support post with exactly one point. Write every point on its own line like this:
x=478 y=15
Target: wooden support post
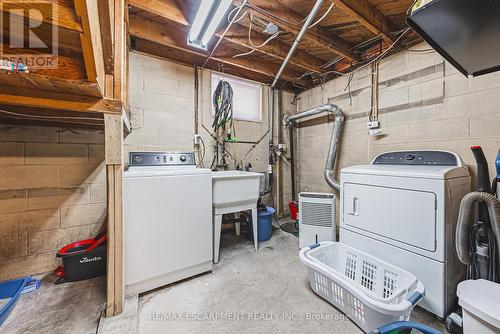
x=114 y=173
x=115 y=86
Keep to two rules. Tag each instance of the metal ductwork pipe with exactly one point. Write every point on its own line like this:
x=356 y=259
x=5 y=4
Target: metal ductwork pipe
x=338 y=126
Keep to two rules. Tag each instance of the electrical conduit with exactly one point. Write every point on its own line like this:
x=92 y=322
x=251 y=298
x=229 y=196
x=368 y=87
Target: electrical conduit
x=301 y=34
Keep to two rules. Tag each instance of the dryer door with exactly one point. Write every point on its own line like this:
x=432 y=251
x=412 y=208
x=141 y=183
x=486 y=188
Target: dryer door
x=391 y=214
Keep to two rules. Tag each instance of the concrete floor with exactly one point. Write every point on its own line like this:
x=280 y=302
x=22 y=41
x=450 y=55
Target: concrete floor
x=248 y=292
x=64 y=308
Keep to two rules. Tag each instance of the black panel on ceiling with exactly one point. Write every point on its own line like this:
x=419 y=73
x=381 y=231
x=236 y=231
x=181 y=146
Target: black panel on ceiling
x=464 y=32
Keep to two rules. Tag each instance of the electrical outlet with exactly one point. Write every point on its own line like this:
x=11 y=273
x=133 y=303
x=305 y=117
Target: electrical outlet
x=375 y=132
x=373 y=125
x=197 y=139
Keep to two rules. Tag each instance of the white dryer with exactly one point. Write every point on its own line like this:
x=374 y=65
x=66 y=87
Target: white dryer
x=403 y=209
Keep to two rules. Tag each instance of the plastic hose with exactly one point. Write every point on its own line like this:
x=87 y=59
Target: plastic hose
x=466 y=225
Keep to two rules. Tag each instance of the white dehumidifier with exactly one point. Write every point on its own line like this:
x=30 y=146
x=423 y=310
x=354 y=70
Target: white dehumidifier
x=316 y=218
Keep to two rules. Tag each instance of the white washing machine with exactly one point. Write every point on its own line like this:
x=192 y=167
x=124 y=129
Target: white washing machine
x=167 y=220
x=403 y=209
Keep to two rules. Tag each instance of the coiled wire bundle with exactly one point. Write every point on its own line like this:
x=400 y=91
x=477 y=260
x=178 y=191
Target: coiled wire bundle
x=223 y=103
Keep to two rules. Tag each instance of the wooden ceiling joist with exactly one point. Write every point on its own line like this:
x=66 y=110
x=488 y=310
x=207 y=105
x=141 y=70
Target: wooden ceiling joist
x=175 y=39
x=369 y=16
x=63 y=102
x=164 y=52
x=238 y=35
x=64 y=19
x=289 y=20
x=91 y=41
x=167 y=10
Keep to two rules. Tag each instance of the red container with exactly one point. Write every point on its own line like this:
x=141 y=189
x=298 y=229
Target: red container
x=294 y=210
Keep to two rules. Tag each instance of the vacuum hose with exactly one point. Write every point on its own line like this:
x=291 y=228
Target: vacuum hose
x=466 y=228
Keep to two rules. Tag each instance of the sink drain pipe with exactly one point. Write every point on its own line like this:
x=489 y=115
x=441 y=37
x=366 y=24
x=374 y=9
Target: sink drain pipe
x=338 y=125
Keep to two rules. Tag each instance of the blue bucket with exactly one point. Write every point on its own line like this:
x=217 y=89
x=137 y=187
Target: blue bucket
x=265 y=225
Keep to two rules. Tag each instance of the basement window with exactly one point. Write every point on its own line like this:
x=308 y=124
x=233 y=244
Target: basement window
x=247 y=97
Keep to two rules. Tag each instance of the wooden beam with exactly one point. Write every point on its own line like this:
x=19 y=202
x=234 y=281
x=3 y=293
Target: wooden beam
x=369 y=16
x=65 y=17
x=113 y=125
x=237 y=35
x=116 y=87
x=68 y=68
x=34 y=84
x=64 y=102
x=120 y=51
x=49 y=117
x=164 y=52
x=167 y=10
x=175 y=39
x=68 y=42
x=91 y=40
x=107 y=18
x=289 y=20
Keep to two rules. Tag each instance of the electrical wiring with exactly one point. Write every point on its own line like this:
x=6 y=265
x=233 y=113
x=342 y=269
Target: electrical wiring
x=229 y=19
x=244 y=53
x=60 y=119
x=201 y=156
x=331 y=62
x=255 y=47
x=421 y=50
x=50 y=117
x=264 y=23
x=348 y=87
x=408 y=11
x=374 y=96
x=215 y=140
x=250 y=35
x=378 y=58
x=306 y=74
x=323 y=16
x=239 y=8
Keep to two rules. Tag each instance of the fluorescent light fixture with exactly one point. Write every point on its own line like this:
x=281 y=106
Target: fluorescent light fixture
x=208 y=18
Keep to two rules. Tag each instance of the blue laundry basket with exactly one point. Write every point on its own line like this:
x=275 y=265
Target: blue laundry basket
x=405 y=327
x=11 y=290
x=265 y=225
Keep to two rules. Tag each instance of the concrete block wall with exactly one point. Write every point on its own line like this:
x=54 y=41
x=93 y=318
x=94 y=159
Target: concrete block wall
x=161 y=95
x=52 y=192
x=424 y=103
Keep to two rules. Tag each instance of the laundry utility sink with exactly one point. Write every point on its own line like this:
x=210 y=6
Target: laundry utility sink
x=233 y=189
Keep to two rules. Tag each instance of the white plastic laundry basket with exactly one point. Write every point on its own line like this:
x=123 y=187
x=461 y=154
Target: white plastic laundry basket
x=371 y=292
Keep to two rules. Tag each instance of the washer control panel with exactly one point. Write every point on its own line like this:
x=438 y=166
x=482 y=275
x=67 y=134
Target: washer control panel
x=421 y=158
x=162 y=159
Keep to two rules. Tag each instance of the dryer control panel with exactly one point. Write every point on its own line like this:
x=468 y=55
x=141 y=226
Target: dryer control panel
x=420 y=158
x=162 y=159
